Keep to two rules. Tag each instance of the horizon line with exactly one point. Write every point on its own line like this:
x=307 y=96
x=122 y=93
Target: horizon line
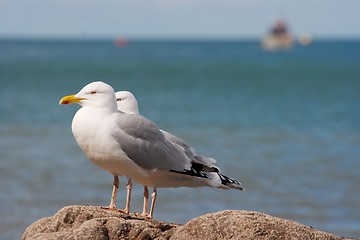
x=164 y=38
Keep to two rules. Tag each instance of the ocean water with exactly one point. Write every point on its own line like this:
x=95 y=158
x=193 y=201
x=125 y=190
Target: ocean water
x=286 y=124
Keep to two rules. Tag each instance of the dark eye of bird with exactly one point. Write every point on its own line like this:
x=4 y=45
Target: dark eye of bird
x=93 y=92
x=119 y=99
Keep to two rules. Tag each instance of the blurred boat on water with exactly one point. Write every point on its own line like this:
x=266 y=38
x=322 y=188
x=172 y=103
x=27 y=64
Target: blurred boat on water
x=305 y=39
x=278 y=38
x=120 y=42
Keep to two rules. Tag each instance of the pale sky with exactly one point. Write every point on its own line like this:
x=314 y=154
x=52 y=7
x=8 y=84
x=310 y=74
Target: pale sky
x=176 y=18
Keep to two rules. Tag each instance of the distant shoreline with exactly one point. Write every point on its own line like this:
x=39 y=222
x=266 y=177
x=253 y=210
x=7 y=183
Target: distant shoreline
x=162 y=39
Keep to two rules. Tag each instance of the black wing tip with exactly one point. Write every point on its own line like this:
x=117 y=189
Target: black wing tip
x=226 y=181
x=193 y=172
x=199 y=167
x=230 y=182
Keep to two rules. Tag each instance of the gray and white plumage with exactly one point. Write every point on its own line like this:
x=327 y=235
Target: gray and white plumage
x=200 y=165
x=131 y=145
x=127 y=103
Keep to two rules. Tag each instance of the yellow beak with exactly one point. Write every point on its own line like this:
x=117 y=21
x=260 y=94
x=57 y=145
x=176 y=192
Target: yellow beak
x=70 y=99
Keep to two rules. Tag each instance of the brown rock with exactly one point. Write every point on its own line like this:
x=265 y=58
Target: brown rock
x=85 y=222
x=233 y=224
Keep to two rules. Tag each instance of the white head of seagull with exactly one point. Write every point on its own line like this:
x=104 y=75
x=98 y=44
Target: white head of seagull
x=126 y=102
x=95 y=95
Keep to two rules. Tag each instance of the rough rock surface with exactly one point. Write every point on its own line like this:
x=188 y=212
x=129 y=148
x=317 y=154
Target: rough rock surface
x=235 y=224
x=86 y=222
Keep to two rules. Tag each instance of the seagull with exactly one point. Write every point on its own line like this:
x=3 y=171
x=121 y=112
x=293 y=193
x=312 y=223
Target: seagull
x=127 y=103
x=130 y=145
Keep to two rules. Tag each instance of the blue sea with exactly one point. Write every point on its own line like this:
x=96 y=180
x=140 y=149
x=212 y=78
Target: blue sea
x=286 y=124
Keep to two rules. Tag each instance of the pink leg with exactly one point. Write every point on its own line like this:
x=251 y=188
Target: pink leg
x=153 y=198
x=114 y=193
x=146 y=198
x=128 y=197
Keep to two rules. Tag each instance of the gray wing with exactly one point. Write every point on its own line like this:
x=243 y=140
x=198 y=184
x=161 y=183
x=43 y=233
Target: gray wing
x=190 y=151
x=144 y=143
